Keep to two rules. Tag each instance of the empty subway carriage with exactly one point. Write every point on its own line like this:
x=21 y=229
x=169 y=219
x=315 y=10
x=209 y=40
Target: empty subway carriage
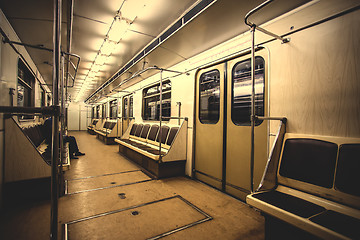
x=259 y=101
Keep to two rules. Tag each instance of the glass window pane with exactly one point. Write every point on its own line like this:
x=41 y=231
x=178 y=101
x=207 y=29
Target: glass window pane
x=98 y=111
x=113 y=109
x=21 y=95
x=241 y=91
x=103 y=111
x=48 y=100
x=209 y=104
x=151 y=101
x=125 y=108
x=131 y=107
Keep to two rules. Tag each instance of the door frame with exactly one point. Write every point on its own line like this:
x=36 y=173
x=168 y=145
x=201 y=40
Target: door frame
x=226 y=76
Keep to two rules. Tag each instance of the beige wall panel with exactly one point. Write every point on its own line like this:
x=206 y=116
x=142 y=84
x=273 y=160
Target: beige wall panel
x=85 y=118
x=315 y=79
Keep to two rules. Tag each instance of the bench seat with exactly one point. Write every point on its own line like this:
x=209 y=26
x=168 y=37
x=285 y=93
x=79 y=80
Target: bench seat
x=316 y=190
x=91 y=127
x=141 y=143
x=28 y=156
x=107 y=133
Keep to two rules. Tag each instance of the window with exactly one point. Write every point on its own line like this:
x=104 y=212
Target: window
x=209 y=104
x=103 y=111
x=26 y=82
x=42 y=97
x=98 y=111
x=151 y=101
x=131 y=106
x=25 y=88
x=48 y=100
x=93 y=112
x=241 y=91
x=126 y=106
x=113 y=109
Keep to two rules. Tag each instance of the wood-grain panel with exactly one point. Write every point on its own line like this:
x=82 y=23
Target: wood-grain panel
x=315 y=79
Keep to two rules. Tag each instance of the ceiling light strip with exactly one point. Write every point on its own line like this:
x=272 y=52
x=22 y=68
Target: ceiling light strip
x=117 y=30
x=185 y=19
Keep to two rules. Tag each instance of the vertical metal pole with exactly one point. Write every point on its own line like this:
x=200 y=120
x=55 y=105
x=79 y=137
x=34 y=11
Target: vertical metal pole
x=179 y=112
x=69 y=41
x=62 y=121
x=160 y=115
x=252 y=156
x=55 y=120
x=79 y=117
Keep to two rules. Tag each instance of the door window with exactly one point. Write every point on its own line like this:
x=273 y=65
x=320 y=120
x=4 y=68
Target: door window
x=241 y=91
x=209 y=104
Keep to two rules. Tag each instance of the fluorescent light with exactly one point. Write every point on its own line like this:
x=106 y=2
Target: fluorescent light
x=108 y=47
x=131 y=9
x=95 y=68
x=117 y=29
x=91 y=74
x=101 y=59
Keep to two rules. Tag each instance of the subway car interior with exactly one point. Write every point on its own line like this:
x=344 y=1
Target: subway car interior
x=192 y=119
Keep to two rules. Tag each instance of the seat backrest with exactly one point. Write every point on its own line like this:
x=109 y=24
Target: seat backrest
x=172 y=134
x=133 y=129
x=112 y=125
x=324 y=166
x=39 y=137
x=145 y=131
x=153 y=132
x=35 y=135
x=309 y=160
x=139 y=130
x=348 y=169
x=164 y=133
x=28 y=133
x=106 y=124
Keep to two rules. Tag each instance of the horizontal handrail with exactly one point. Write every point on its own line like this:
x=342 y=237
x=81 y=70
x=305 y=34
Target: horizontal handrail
x=76 y=68
x=52 y=110
x=254 y=26
x=282 y=119
x=138 y=73
x=185 y=118
x=254 y=10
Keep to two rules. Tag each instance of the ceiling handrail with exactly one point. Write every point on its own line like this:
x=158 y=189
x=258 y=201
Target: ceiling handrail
x=253 y=25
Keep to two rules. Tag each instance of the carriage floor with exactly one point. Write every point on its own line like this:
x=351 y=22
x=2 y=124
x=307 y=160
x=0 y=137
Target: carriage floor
x=109 y=197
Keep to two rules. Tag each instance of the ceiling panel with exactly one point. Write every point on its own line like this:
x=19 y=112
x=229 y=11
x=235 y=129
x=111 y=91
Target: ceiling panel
x=92 y=19
x=219 y=23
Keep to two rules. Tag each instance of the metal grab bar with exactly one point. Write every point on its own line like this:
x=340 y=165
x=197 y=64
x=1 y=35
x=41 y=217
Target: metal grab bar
x=76 y=68
x=282 y=119
x=253 y=117
x=43 y=110
x=138 y=73
x=254 y=10
x=185 y=118
x=51 y=50
x=254 y=26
